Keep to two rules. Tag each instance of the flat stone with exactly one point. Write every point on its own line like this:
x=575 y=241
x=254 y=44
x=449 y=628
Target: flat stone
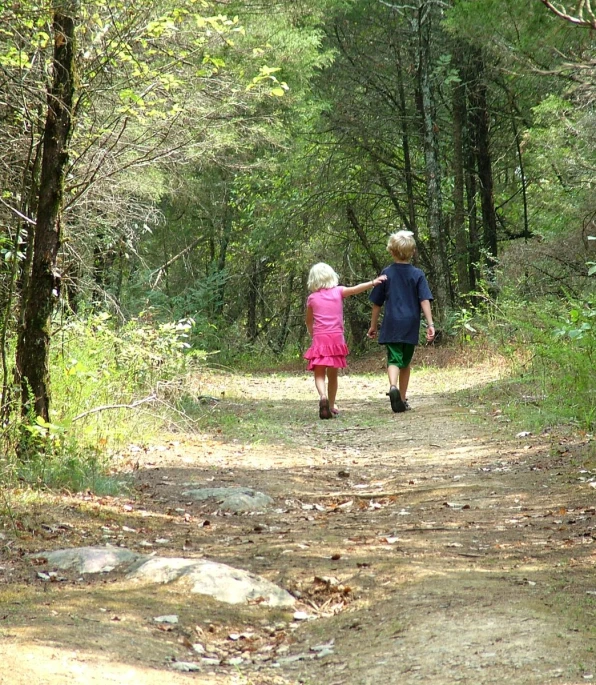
x=222 y=582
x=200 y=576
x=90 y=559
x=235 y=499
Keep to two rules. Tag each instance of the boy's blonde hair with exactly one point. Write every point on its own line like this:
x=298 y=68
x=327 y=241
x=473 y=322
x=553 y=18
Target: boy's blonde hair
x=401 y=245
x=322 y=276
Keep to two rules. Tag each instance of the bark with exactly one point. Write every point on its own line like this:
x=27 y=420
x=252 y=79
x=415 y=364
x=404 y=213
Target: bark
x=459 y=219
x=481 y=122
x=353 y=219
x=438 y=253
x=252 y=293
x=471 y=194
x=522 y=172
x=405 y=142
x=33 y=347
x=284 y=326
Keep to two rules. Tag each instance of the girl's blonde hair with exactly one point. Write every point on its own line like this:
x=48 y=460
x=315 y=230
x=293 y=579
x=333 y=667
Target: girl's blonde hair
x=401 y=245
x=322 y=276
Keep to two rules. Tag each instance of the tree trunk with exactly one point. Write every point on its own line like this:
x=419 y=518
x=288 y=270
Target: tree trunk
x=353 y=219
x=522 y=173
x=32 y=358
x=471 y=193
x=481 y=124
x=405 y=142
x=252 y=294
x=438 y=253
x=459 y=218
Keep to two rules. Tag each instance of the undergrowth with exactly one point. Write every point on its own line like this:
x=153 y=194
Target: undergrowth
x=552 y=356
x=110 y=386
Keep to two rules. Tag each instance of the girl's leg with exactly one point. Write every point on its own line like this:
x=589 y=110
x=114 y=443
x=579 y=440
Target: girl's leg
x=324 y=408
x=332 y=385
x=319 y=372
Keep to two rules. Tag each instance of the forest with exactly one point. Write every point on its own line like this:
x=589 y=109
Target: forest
x=171 y=506
x=171 y=170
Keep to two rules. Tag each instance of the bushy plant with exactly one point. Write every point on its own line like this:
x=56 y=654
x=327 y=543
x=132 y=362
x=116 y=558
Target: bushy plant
x=101 y=375
x=555 y=356
x=96 y=363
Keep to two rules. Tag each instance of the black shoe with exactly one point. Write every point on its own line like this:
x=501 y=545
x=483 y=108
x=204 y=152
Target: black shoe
x=407 y=405
x=397 y=403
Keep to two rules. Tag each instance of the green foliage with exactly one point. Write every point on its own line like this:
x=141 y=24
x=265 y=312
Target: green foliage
x=98 y=364
x=58 y=461
x=555 y=356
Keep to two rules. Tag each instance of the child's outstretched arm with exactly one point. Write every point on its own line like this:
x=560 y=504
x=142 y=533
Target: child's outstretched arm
x=361 y=287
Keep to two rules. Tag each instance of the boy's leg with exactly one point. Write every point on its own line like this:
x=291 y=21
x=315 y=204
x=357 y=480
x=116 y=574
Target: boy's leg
x=332 y=385
x=404 y=380
x=399 y=356
x=392 y=374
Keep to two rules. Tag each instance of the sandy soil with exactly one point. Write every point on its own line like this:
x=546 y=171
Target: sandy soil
x=428 y=547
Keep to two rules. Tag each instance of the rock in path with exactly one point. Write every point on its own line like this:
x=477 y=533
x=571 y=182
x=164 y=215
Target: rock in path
x=90 y=559
x=222 y=582
x=199 y=576
x=235 y=499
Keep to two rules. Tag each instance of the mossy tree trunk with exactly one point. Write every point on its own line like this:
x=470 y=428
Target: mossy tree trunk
x=33 y=347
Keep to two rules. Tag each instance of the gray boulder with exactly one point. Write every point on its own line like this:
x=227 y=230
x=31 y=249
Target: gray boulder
x=235 y=499
x=222 y=582
x=90 y=559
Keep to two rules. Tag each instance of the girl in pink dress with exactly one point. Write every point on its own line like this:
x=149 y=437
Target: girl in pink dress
x=325 y=324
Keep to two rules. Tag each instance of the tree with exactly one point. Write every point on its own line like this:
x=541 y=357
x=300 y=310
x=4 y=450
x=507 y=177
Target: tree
x=44 y=282
x=131 y=110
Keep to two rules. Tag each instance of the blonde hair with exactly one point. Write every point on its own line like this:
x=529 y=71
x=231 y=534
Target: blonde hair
x=401 y=245
x=322 y=276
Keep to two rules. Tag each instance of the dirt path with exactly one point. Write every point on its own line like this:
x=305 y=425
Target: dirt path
x=432 y=546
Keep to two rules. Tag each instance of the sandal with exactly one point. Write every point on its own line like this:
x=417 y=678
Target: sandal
x=324 y=411
x=397 y=404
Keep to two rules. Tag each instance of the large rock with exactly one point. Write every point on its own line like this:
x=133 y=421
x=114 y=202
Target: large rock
x=222 y=582
x=90 y=559
x=219 y=581
x=232 y=499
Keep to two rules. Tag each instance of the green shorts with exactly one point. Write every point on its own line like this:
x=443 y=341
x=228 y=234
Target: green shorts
x=399 y=354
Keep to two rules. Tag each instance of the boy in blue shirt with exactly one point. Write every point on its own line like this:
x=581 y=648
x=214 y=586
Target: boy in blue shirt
x=404 y=294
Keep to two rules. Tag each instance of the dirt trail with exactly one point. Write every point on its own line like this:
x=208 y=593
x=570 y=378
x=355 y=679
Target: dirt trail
x=426 y=547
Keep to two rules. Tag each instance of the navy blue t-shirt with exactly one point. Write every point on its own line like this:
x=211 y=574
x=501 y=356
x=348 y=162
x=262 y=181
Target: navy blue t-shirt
x=401 y=293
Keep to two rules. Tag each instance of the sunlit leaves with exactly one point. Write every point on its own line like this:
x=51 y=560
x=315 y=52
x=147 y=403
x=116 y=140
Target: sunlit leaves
x=266 y=74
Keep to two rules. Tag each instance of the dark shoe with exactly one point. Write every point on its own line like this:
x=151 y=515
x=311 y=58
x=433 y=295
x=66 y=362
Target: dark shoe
x=407 y=405
x=324 y=411
x=397 y=403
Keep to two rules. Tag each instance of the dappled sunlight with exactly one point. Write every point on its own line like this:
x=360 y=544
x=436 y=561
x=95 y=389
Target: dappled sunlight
x=436 y=510
x=220 y=385
x=30 y=663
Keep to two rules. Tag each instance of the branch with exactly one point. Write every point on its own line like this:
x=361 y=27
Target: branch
x=163 y=267
x=577 y=21
x=19 y=214
x=115 y=406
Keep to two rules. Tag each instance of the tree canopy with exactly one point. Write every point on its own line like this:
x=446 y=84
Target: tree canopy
x=193 y=158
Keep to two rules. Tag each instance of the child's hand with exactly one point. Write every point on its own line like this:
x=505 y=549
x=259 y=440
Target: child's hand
x=379 y=280
x=372 y=333
x=430 y=334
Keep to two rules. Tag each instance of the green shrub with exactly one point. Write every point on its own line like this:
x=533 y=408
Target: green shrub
x=555 y=356
x=109 y=386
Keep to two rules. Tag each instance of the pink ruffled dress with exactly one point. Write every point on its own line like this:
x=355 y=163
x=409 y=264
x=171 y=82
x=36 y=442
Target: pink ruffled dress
x=328 y=347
